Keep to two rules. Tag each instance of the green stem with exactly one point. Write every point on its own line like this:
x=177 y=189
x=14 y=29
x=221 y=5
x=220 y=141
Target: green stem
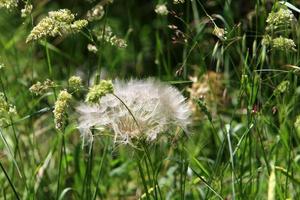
x=100 y=170
x=143 y=178
x=60 y=167
x=154 y=177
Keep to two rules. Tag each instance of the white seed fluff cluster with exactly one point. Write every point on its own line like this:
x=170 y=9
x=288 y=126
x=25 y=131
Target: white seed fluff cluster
x=145 y=109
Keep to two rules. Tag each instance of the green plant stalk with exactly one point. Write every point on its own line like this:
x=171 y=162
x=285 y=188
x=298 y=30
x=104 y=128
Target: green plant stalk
x=154 y=176
x=100 y=170
x=60 y=167
x=142 y=177
x=50 y=66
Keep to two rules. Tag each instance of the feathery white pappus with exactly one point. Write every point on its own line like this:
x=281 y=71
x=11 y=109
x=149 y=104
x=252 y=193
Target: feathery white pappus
x=138 y=109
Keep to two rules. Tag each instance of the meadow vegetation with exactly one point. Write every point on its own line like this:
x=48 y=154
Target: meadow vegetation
x=166 y=99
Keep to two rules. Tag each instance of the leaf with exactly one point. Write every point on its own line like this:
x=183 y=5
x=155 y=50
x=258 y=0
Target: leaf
x=290 y=6
x=10 y=153
x=64 y=192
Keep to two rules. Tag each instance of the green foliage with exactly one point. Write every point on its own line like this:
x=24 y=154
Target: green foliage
x=237 y=63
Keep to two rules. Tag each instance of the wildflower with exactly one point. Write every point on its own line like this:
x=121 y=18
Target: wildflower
x=40 y=88
x=161 y=9
x=6 y=110
x=26 y=10
x=8 y=4
x=98 y=91
x=92 y=48
x=75 y=82
x=107 y=35
x=283 y=44
x=60 y=107
x=281 y=18
x=95 y=13
x=178 y=1
x=57 y=23
x=138 y=110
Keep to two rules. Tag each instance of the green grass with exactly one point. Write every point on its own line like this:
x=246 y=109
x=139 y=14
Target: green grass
x=238 y=139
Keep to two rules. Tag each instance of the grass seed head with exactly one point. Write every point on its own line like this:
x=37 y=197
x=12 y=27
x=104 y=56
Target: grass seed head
x=161 y=9
x=26 y=11
x=41 y=88
x=98 y=91
x=75 y=82
x=57 y=23
x=60 y=107
x=7 y=110
x=281 y=18
x=95 y=13
x=8 y=4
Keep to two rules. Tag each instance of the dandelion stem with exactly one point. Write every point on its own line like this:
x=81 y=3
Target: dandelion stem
x=154 y=179
x=143 y=178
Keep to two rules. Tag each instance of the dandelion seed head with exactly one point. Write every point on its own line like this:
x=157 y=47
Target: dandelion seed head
x=145 y=109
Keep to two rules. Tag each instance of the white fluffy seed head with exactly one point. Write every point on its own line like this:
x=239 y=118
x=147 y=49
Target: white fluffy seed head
x=138 y=109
